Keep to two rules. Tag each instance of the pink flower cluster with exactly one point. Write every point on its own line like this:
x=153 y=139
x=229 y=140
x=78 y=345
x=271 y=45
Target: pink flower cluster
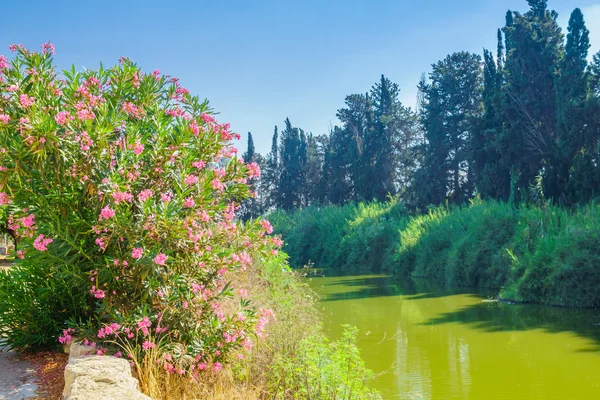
x=66 y=336
x=41 y=243
x=98 y=293
x=160 y=259
x=108 y=330
x=137 y=253
x=266 y=226
x=121 y=197
x=4 y=199
x=253 y=170
x=62 y=117
x=26 y=101
x=144 y=195
x=106 y=213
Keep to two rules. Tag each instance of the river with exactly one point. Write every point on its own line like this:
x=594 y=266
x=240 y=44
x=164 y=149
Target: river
x=427 y=343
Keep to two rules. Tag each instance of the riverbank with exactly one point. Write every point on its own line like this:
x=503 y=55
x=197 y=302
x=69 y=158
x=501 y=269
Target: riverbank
x=526 y=254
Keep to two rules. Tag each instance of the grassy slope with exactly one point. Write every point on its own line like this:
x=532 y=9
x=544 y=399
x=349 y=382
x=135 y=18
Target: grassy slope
x=529 y=254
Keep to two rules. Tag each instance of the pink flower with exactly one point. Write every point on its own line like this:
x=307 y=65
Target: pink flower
x=195 y=128
x=131 y=109
x=166 y=197
x=137 y=253
x=243 y=293
x=148 y=345
x=106 y=213
x=253 y=170
x=66 y=336
x=3 y=62
x=191 y=179
x=144 y=195
x=62 y=117
x=217 y=185
x=245 y=259
x=26 y=101
x=199 y=164
x=4 y=118
x=138 y=148
x=189 y=202
x=48 y=48
x=99 y=294
x=100 y=242
x=12 y=88
x=121 y=197
x=217 y=367
x=4 y=199
x=41 y=243
x=267 y=226
x=160 y=259
x=28 y=221
x=85 y=114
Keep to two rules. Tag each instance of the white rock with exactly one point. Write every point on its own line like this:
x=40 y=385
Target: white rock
x=78 y=350
x=100 y=378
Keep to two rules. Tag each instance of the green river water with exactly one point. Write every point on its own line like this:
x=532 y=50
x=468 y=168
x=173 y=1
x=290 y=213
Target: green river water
x=428 y=343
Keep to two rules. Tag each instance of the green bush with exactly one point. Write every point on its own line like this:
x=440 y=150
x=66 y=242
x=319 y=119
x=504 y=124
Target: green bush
x=37 y=300
x=532 y=254
x=323 y=370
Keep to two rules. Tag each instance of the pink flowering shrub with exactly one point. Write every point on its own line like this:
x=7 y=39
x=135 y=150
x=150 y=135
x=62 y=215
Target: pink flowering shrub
x=125 y=186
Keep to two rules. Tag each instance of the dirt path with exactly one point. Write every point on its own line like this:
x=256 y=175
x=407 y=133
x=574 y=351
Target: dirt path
x=16 y=377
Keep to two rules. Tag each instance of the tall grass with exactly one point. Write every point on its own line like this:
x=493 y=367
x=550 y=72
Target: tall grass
x=295 y=360
x=532 y=254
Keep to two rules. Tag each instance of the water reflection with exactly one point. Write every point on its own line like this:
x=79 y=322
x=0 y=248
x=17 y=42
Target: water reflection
x=437 y=344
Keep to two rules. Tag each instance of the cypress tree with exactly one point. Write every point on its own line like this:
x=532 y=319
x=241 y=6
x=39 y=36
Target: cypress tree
x=293 y=161
x=251 y=151
x=271 y=173
x=571 y=93
x=385 y=101
x=534 y=44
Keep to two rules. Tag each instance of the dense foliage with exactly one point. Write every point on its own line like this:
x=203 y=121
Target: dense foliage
x=497 y=125
x=530 y=254
x=121 y=189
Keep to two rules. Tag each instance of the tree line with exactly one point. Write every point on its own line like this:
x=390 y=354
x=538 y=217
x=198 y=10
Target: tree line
x=518 y=124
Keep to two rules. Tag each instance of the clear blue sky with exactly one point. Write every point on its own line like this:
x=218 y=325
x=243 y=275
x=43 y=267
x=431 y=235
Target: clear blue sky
x=259 y=62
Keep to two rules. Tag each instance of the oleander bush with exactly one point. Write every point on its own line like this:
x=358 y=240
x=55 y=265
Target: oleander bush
x=122 y=189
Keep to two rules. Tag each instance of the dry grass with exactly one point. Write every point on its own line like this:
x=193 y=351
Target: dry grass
x=270 y=286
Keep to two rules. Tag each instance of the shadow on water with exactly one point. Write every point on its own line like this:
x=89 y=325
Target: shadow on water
x=499 y=317
x=362 y=287
x=483 y=316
